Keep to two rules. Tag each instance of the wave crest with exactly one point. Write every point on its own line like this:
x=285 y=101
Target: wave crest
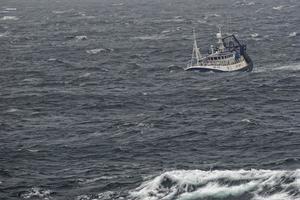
x=220 y=184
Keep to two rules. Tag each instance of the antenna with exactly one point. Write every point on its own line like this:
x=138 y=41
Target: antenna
x=229 y=27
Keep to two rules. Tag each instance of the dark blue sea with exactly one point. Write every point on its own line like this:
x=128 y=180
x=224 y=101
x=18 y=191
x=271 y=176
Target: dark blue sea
x=95 y=104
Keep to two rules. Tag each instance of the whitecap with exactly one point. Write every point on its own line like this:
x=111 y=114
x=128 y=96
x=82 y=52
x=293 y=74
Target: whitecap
x=278 y=7
x=84 y=16
x=9 y=18
x=81 y=37
x=293 y=34
x=85 y=75
x=117 y=4
x=4 y=34
x=202 y=21
x=166 y=31
x=246 y=120
x=52 y=59
x=12 y=110
x=150 y=37
x=198 y=184
x=10 y=9
x=108 y=195
x=62 y=11
x=33 y=150
x=258 y=10
x=291 y=67
x=95 y=51
x=36 y=193
x=251 y=3
x=254 y=35
x=276 y=196
x=215 y=190
x=214 y=99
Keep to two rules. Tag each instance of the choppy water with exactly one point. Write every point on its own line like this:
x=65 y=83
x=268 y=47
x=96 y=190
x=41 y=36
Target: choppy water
x=95 y=105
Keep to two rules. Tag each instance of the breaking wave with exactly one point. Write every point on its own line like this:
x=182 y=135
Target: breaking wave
x=96 y=51
x=293 y=34
x=36 y=193
x=81 y=37
x=292 y=67
x=150 y=37
x=10 y=9
x=9 y=18
x=4 y=34
x=221 y=184
x=278 y=7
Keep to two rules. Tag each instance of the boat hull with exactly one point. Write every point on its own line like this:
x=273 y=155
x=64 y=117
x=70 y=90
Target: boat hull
x=242 y=67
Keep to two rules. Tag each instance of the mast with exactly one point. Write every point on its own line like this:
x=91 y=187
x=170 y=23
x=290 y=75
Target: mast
x=220 y=41
x=196 y=49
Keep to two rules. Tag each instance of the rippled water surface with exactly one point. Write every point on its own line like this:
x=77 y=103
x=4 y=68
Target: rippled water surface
x=95 y=104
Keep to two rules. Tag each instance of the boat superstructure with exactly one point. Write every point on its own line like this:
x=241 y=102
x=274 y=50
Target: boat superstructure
x=229 y=55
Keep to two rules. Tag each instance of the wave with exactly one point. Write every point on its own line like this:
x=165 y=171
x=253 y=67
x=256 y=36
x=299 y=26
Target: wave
x=254 y=35
x=62 y=11
x=150 y=37
x=292 y=67
x=221 y=184
x=4 y=34
x=36 y=192
x=278 y=7
x=96 y=51
x=277 y=67
x=108 y=195
x=9 y=18
x=293 y=34
x=10 y=9
x=81 y=37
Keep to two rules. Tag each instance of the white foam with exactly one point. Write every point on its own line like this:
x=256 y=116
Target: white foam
x=9 y=18
x=150 y=37
x=12 y=110
x=81 y=37
x=254 y=35
x=197 y=184
x=62 y=11
x=33 y=150
x=278 y=7
x=293 y=34
x=117 y=4
x=95 y=51
x=10 y=9
x=251 y=3
x=246 y=120
x=281 y=196
x=217 y=191
x=85 y=75
x=292 y=67
x=4 y=34
x=36 y=193
x=52 y=59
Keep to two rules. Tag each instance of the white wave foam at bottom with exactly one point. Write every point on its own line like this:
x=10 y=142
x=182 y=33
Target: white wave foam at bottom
x=221 y=184
x=292 y=67
x=37 y=193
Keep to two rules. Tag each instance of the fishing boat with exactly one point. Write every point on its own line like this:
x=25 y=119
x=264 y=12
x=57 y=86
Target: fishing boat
x=227 y=56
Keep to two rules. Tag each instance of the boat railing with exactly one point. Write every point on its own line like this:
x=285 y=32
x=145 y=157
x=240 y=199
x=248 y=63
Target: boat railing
x=221 y=62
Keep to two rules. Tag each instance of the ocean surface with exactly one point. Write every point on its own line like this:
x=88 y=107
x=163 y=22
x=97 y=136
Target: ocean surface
x=95 y=104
